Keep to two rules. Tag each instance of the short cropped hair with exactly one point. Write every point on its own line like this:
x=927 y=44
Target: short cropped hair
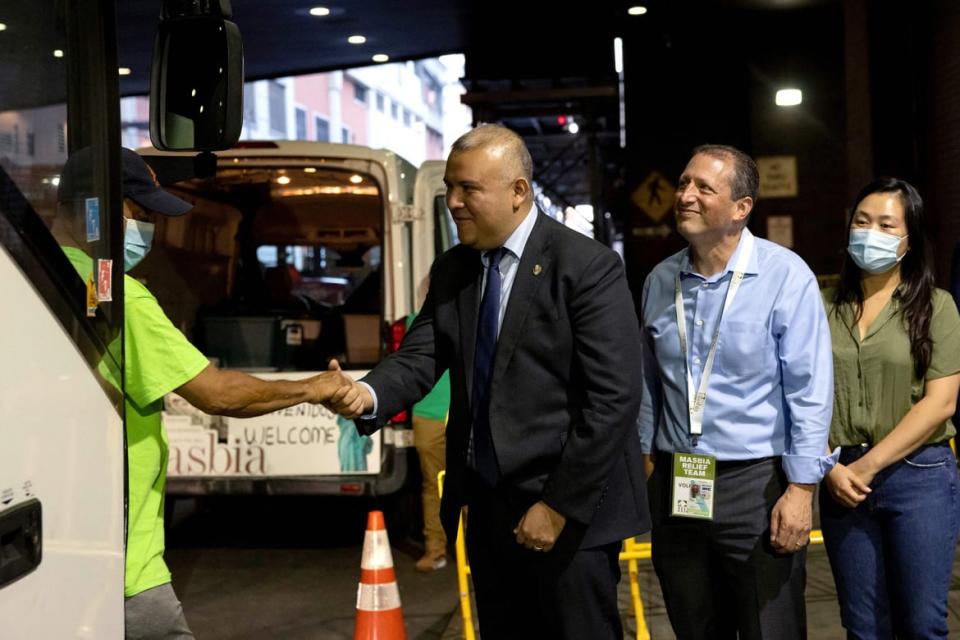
x=745 y=180
x=495 y=135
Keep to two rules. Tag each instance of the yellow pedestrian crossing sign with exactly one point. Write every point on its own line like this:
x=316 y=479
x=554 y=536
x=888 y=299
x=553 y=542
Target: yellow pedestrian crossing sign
x=654 y=196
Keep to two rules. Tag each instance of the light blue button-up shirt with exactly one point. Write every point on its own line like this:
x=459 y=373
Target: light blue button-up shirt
x=509 y=263
x=771 y=389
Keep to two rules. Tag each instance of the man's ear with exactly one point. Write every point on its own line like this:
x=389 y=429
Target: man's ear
x=522 y=191
x=744 y=207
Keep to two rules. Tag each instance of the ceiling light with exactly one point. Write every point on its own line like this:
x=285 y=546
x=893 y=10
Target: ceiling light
x=58 y=53
x=381 y=57
x=355 y=179
x=789 y=97
x=3 y=27
x=283 y=180
x=356 y=39
x=638 y=10
x=309 y=169
x=124 y=71
x=320 y=11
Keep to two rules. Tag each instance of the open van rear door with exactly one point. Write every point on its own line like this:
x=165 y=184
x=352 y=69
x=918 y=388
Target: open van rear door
x=433 y=228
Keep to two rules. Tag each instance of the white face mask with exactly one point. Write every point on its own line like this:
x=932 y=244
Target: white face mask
x=874 y=251
x=137 y=240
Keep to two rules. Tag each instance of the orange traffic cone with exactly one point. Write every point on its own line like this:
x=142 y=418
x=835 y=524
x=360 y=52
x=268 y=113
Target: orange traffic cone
x=379 y=616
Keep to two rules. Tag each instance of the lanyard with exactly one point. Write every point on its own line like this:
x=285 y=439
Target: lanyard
x=697 y=398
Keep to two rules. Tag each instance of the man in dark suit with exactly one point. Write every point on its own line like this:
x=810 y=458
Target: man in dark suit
x=537 y=327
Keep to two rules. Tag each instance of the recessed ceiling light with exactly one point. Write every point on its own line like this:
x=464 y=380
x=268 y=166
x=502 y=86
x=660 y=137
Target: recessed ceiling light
x=789 y=97
x=309 y=169
x=3 y=27
x=356 y=39
x=355 y=179
x=283 y=180
x=381 y=57
x=58 y=53
x=124 y=71
x=638 y=10
x=320 y=11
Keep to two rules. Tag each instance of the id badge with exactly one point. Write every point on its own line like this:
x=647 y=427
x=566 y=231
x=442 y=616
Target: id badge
x=693 y=480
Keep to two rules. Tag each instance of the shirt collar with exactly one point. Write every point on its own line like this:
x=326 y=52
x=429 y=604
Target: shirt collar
x=753 y=264
x=517 y=241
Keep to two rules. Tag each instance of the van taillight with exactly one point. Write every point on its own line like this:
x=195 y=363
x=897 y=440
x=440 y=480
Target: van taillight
x=397 y=330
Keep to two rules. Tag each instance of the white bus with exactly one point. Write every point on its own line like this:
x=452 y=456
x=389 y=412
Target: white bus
x=62 y=453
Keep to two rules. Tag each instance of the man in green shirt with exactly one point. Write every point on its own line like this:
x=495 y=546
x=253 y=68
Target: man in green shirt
x=159 y=359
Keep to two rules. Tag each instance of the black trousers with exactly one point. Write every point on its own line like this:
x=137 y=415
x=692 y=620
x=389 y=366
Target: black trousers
x=721 y=578
x=566 y=593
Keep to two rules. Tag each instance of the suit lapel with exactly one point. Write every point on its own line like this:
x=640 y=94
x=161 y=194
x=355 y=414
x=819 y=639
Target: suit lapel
x=468 y=302
x=532 y=270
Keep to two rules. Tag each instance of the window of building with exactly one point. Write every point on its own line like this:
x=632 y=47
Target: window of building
x=301 y=115
x=394 y=110
x=323 y=129
x=360 y=92
x=344 y=135
x=381 y=107
x=278 y=107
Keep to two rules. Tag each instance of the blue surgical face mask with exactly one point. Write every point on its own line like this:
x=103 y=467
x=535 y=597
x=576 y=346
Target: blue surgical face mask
x=137 y=239
x=874 y=251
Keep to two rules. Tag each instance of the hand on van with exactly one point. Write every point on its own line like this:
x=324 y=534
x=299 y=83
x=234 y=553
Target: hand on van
x=351 y=400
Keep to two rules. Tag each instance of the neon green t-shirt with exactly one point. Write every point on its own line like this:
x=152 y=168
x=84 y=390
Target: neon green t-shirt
x=158 y=358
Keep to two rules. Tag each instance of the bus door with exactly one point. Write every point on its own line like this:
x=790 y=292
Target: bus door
x=61 y=323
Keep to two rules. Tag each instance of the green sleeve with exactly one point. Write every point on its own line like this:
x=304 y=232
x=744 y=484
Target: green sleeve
x=159 y=358
x=945 y=333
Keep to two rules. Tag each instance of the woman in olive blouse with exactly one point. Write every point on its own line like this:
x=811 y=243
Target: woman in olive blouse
x=890 y=509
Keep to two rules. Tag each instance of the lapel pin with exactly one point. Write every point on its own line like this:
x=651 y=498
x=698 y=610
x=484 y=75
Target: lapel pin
x=537 y=269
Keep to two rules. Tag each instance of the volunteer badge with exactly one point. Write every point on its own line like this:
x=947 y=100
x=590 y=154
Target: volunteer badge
x=693 y=481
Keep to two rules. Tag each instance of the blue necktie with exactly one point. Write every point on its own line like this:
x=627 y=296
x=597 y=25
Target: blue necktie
x=484 y=455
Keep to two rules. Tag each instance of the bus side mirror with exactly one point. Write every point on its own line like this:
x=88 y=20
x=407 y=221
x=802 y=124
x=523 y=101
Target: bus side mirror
x=196 y=87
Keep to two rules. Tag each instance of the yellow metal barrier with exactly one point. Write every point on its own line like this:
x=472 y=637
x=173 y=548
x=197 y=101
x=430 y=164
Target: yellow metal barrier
x=463 y=571
x=632 y=552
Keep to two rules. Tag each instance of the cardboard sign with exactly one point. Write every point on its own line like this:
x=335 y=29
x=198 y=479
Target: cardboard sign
x=778 y=176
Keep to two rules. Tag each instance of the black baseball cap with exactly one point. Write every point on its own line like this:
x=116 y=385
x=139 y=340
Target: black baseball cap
x=140 y=183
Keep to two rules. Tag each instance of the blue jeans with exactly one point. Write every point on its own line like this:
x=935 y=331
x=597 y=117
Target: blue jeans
x=892 y=556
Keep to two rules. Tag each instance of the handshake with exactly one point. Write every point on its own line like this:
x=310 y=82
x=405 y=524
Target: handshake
x=339 y=392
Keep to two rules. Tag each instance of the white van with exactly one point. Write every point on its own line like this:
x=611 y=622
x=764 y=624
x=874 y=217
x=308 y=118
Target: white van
x=294 y=253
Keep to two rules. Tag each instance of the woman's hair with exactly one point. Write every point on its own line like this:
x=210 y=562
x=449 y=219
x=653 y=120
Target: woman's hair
x=916 y=272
